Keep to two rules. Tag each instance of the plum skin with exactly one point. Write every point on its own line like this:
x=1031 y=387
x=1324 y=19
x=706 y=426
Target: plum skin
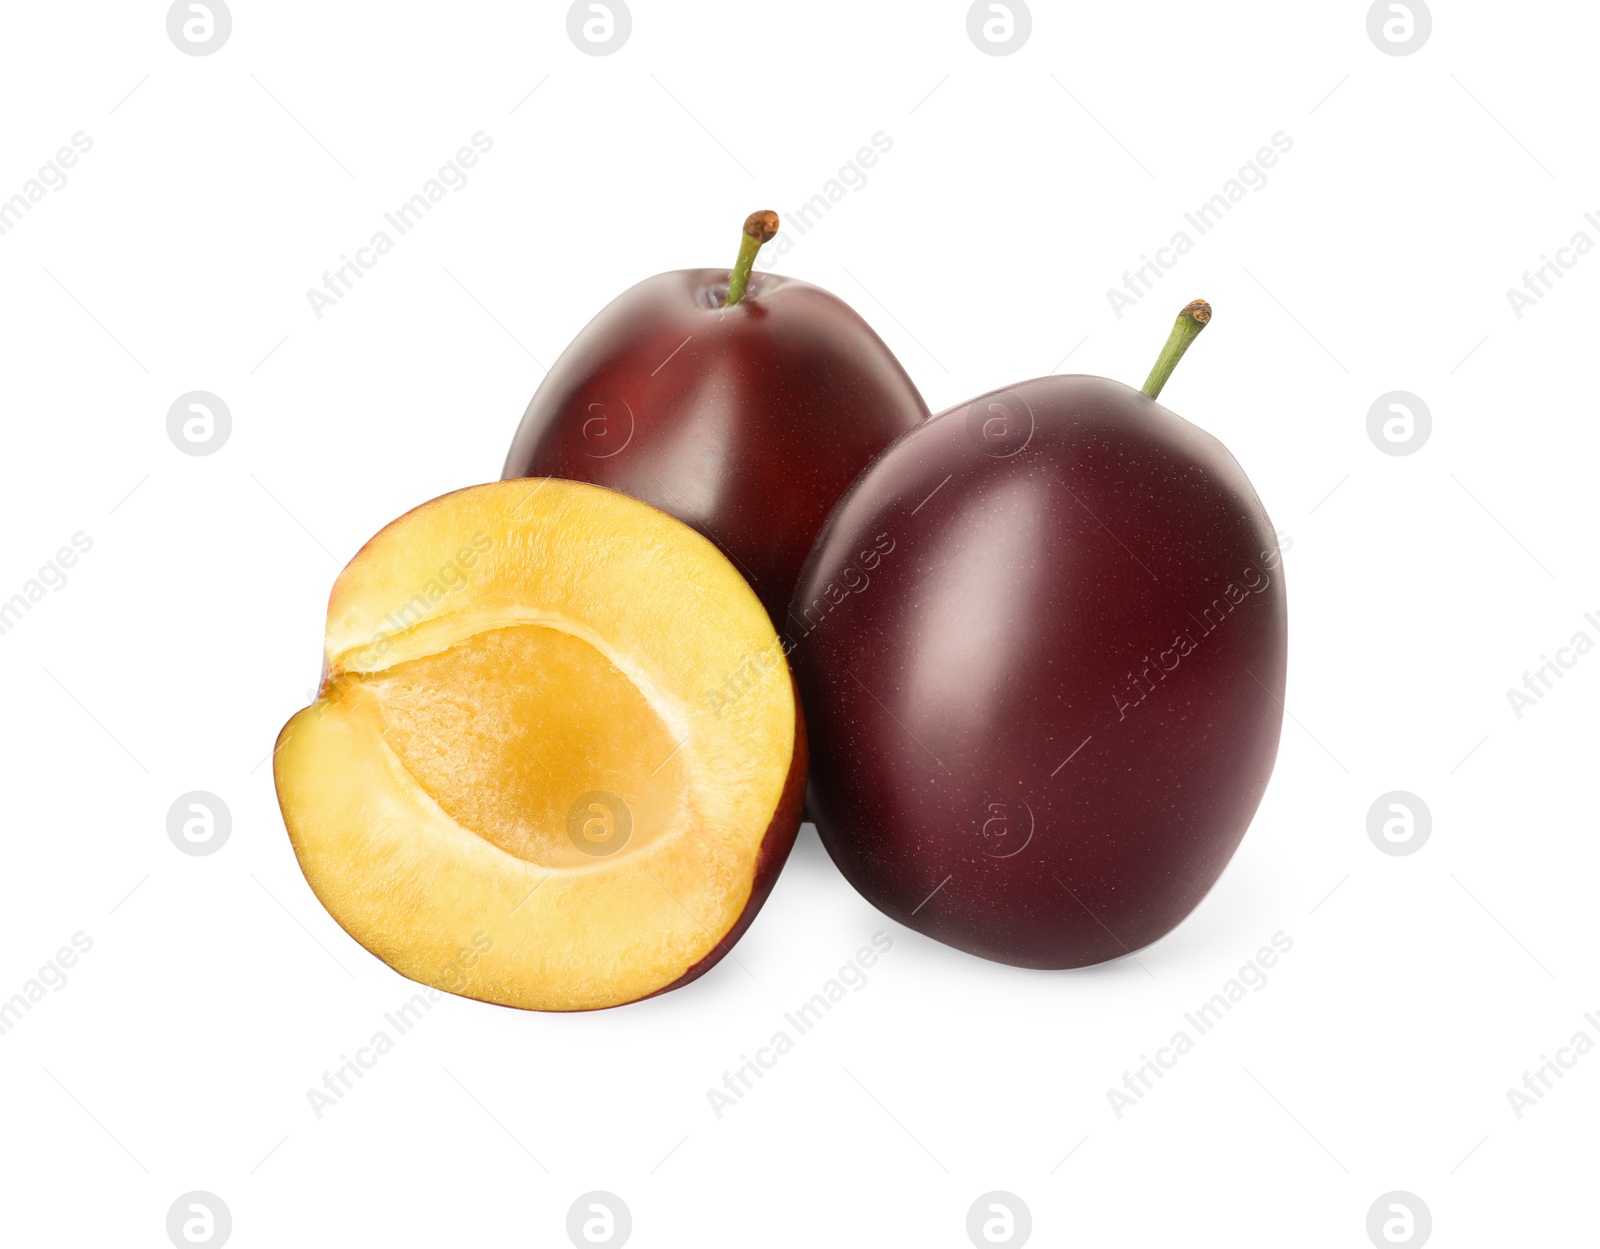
x=1013 y=750
x=746 y=423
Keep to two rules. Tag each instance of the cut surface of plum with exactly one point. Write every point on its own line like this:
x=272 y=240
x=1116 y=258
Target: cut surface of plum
x=498 y=755
x=557 y=758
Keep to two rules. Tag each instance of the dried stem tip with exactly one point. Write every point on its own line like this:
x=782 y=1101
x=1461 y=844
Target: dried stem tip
x=763 y=226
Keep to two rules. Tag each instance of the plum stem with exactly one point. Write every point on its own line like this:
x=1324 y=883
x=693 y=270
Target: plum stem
x=1185 y=330
x=759 y=227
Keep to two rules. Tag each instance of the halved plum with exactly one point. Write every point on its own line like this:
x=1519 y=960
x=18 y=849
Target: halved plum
x=557 y=758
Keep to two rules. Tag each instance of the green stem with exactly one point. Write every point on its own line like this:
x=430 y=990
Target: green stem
x=759 y=227
x=1194 y=318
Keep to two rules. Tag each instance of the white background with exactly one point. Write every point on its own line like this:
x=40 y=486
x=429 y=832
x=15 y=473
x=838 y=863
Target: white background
x=1377 y=258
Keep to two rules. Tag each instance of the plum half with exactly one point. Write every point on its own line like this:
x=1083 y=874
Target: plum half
x=1041 y=644
x=557 y=759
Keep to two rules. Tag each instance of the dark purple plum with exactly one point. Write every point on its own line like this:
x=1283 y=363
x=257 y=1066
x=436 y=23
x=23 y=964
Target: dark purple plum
x=1041 y=645
x=742 y=403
